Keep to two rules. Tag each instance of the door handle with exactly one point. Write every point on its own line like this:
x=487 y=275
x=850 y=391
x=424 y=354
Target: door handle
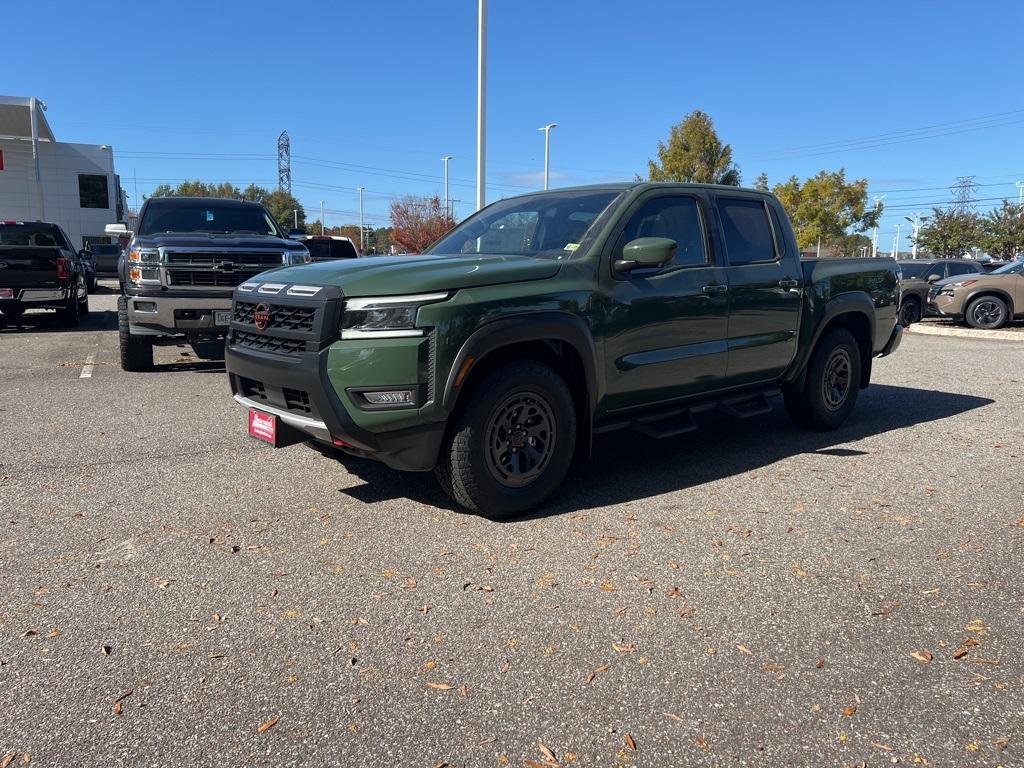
x=711 y=289
x=788 y=283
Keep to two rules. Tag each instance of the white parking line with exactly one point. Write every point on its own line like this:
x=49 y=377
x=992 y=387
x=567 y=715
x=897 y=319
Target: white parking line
x=87 y=368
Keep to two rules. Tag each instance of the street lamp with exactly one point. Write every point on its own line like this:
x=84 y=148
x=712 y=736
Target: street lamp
x=361 y=219
x=916 y=223
x=874 y=236
x=547 y=149
x=1020 y=192
x=896 y=243
x=447 y=199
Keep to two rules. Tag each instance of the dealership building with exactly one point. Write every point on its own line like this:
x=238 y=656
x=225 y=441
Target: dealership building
x=42 y=179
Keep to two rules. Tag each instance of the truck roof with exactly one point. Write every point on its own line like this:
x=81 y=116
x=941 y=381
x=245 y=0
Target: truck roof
x=182 y=198
x=625 y=185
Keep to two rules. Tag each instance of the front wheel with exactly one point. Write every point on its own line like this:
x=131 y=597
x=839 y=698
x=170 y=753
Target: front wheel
x=910 y=312
x=511 y=443
x=832 y=385
x=136 y=351
x=987 y=313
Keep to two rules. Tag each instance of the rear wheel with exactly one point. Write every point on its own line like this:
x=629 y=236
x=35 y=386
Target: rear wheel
x=511 y=443
x=910 y=312
x=987 y=313
x=136 y=351
x=832 y=385
x=71 y=314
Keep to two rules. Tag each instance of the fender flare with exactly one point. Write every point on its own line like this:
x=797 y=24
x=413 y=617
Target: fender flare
x=854 y=302
x=999 y=293
x=531 y=326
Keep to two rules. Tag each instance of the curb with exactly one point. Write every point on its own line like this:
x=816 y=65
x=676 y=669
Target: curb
x=927 y=329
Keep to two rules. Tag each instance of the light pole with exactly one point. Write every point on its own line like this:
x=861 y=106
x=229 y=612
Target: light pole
x=481 y=105
x=321 y=217
x=547 y=149
x=447 y=199
x=1020 y=192
x=916 y=223
x=874 y=236
x=295 y=213
x=361 y=219
x=896 y=243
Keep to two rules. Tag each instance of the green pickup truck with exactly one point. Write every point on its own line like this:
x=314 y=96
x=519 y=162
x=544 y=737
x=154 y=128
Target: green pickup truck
x=494 y=357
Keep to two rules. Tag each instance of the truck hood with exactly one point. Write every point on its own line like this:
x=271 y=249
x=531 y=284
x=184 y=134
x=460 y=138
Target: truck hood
x=396 y=275
x=198 y=240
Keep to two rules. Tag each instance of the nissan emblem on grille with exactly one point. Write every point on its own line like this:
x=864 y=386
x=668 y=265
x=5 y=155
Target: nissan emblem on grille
x=261 y=317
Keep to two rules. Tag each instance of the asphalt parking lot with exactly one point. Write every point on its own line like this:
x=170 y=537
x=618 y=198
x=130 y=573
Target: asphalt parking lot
x=175 y=593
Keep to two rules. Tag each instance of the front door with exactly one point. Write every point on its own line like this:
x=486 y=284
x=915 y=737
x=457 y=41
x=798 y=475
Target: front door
x=665 y=328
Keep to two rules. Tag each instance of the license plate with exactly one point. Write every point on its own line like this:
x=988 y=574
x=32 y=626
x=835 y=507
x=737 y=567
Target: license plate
x=263 y=426
x=222 y=317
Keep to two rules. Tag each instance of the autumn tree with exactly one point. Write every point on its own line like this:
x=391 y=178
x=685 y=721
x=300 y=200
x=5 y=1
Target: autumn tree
x=949 y=233
x=417 y=222
x=828 y=207
x=694 y=153
x=1003 y=231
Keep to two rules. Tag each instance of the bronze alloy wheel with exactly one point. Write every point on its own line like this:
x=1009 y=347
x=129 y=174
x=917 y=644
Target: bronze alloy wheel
x=836 y=381
x=520 y=439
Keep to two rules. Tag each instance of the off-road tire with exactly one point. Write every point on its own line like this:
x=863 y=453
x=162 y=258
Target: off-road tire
x=910 y=312
x=71 y=315
x=468 y=467
x=987 y=313
x=136 y=351
x=823 y=404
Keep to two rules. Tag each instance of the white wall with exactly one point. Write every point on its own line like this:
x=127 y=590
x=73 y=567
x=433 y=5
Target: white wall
x=60 y=165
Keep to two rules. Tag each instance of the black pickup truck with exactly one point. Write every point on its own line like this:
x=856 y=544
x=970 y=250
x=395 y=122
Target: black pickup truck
x=541 y=320
x=181 y=266
x=40 y=269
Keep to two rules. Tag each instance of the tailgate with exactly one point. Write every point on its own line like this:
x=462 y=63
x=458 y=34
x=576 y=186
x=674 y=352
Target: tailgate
x=28 y=266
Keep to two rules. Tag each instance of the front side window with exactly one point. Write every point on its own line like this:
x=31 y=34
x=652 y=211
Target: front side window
x=677 y=218
x=545 y=225
x=938 y=270
x=92 y=191
x=748 y=234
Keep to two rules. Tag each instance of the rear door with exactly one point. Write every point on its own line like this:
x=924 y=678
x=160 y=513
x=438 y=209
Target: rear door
x=765 y=289
x=665 y=328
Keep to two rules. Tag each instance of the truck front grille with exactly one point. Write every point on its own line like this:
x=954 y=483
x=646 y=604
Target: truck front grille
x=216 y=269
x=268 y=343
x=195 y=278
x=286 y=318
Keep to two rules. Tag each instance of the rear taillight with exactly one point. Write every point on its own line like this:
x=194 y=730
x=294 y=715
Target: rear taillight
x=63 y=268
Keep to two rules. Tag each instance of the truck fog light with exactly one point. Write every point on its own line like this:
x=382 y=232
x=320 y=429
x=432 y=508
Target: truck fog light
x=390 y=397
x=145 y=306
x=135 y=274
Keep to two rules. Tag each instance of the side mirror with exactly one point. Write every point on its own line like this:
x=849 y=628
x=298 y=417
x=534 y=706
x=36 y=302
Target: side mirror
x=84 y=254
x=116 y=229
x=647 y=252
x=933 y=278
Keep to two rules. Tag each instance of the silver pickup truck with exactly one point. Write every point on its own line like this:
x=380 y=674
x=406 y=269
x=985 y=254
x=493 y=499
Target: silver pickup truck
x=181 y=266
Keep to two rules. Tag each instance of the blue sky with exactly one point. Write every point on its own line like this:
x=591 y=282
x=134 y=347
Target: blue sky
x=374 y=93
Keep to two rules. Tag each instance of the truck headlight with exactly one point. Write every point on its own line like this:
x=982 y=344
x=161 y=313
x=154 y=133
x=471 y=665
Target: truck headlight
x=139 y=256
x=291 y=258
x=385 y=316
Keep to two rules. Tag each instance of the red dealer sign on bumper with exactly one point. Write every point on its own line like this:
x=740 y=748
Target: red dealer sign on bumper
x=263 y=426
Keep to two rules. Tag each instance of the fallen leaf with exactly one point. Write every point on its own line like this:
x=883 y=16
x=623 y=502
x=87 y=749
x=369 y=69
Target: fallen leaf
x=976 y=626
x=410 y=583
x=702 y=743
x=53 y=633
x=268 y=725
x=532 y=763
x=630 y=741
x=923 y=655
x=850 y=711
x=548 y=754
x=624 y=647
x=799 y=571
x=743 y=649
x=429 y=665
x=609 y=587
x=671 y=716
x=123 y=696
x=440 y=686
x=442 y=764
x=118 y=708
x=596 y=672
x=425 y=610
x=820 y=664
x=886 y=747
x=774 y=667
x=8 y=759
x=464 y=690
x=674 y=592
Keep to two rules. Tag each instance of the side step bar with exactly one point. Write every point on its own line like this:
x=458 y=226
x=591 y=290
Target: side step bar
x=678 y=420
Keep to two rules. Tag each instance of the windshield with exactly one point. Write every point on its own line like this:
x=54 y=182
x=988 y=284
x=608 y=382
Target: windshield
x=1009 y=269
x=914 y=269
x=209 y=216
x=545 y=225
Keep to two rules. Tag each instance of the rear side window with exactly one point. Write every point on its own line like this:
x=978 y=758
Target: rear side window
x=45 y=235
x=748 y=234
x=676 y=218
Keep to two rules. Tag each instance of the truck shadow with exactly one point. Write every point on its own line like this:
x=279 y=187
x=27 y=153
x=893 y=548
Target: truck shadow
x=50 y=322
x=626 y=466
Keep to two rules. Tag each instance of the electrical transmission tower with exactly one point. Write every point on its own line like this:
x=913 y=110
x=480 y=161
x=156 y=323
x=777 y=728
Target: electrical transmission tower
x=284 y=163
x=964 y=192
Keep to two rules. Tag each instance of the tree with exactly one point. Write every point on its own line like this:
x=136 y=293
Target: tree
x=853 y=245
x=949 y=233
x=761 y=182
x=694 y=153
x=828 y=207
x=1003 y=231
x=418 y=221
x=283 y=206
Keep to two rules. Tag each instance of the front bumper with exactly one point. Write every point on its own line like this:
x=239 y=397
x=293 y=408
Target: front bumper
x=945 y=306
x=170 y=315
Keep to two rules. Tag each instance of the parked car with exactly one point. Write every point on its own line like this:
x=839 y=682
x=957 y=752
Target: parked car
x=986 y=301
x=329 y=247
x=494 y=357
x=919 y=274
x=181 y=266
x=104 y=258
x=40 y=269
x=90 y=269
